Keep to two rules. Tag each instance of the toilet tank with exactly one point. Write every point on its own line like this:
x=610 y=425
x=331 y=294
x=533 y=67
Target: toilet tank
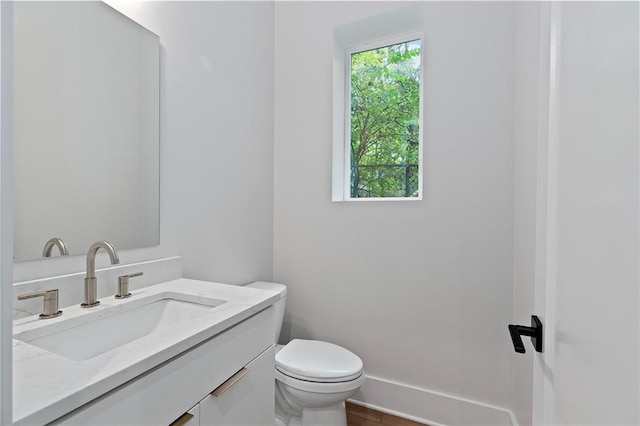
x=279 y=305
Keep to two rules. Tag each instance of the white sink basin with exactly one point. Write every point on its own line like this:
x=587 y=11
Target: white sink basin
x=114 y=329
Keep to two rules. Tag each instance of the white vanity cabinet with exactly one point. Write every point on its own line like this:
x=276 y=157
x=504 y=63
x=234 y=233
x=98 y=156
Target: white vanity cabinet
x=184 y=384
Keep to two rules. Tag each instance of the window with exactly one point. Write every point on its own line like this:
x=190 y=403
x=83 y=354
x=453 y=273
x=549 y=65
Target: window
x=382 y=120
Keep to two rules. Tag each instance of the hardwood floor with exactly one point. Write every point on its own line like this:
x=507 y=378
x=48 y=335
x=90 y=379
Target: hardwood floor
x=361 y=416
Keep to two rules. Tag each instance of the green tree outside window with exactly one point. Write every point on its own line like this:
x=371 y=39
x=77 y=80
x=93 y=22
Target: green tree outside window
x=385 y=125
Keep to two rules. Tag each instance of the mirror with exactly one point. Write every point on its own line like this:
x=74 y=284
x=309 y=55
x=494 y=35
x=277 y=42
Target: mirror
x=86 y=128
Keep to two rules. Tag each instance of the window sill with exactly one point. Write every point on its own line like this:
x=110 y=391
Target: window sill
x=379 y=199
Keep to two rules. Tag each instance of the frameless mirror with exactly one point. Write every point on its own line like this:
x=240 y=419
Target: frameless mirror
x=86 y=128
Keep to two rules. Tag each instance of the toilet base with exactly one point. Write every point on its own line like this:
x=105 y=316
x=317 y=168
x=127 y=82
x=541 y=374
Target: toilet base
x=335 y=415
x=290 y=413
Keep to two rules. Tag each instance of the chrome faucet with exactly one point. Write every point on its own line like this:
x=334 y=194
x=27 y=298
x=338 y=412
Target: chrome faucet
x=54 y=242
x=90 y=282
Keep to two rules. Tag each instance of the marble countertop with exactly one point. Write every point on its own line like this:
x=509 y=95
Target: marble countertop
x=47 y=386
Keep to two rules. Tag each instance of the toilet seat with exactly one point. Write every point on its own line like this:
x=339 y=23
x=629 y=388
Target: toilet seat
x=318 y=379
x=320 y=387
x=317 y=361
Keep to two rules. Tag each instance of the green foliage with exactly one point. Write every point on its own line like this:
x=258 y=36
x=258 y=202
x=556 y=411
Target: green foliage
x=385 y=111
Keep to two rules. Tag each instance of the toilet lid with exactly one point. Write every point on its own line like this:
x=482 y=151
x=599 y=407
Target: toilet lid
x=318 y=361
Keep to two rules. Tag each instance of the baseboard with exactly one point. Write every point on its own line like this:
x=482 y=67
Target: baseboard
x=426 y=406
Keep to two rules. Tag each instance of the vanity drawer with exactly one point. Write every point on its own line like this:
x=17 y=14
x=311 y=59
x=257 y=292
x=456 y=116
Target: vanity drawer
x=164 y=393
x=247 y=402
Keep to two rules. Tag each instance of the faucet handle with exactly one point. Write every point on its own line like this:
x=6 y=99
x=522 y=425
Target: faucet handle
x=123 y=285
x=50 y=302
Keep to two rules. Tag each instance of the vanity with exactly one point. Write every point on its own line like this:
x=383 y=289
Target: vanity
x=178 y=352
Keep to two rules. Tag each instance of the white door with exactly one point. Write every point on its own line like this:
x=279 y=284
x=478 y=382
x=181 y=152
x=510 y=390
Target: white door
x=587 y=224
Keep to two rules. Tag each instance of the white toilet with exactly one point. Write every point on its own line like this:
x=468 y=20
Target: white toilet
x=313 y=378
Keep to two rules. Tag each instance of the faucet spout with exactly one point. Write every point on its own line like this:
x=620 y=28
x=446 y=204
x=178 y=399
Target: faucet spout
x=91 y=282
x=55 y=242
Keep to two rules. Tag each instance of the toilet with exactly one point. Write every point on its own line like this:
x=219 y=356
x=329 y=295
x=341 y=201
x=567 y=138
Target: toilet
x=313 y=378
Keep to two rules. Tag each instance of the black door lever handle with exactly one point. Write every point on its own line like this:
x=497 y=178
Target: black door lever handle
x=535 y=332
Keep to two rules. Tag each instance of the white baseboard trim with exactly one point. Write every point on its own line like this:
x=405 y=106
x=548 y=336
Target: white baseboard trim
x=427 y=406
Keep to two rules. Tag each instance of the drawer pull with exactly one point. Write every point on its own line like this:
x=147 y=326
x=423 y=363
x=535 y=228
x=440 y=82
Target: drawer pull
x=183 y=419
x=230 y=382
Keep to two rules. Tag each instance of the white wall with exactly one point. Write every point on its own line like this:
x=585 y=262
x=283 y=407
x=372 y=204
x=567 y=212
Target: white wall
x=216 y=134
x=422 y=291
x=216 y=141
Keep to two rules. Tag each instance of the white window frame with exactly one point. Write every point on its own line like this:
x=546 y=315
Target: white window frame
x=346 y=154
